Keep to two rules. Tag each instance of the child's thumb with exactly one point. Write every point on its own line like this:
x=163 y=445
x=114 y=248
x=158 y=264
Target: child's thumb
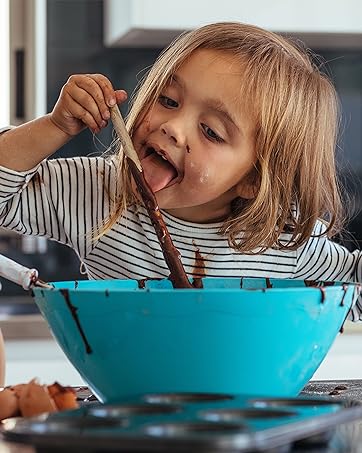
x=121 y=96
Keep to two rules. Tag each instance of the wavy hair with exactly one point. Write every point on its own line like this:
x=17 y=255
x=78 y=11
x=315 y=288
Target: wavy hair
x=295 y=108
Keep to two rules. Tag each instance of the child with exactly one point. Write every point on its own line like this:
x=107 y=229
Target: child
x=236 y=131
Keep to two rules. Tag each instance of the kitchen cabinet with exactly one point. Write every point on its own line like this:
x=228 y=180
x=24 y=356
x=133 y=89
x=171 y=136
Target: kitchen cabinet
x=155 y=22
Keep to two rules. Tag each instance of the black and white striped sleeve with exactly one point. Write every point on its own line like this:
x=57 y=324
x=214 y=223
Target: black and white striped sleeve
x=324 y=260
x=61 y=199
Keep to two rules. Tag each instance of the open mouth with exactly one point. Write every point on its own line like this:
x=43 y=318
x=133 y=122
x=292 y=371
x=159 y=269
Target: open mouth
x=159 y=170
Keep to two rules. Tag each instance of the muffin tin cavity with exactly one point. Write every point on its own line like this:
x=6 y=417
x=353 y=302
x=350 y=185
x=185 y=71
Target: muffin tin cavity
x=74 y=425
x=116 y=411
x=233 y=414
x=186 y=397
x=185 y=429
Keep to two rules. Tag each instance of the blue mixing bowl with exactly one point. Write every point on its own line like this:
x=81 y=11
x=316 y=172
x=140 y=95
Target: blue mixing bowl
x=266 y=338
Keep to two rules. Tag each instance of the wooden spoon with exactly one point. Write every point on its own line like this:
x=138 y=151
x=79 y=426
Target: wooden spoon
x=172 y=256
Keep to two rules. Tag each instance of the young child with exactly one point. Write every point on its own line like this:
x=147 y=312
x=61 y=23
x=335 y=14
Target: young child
x=236 y=131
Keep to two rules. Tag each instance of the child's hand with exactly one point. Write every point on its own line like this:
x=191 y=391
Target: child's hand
x=85 y=101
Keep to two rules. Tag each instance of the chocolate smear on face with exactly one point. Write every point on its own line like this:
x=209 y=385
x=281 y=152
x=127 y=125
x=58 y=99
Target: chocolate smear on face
x=172 y=256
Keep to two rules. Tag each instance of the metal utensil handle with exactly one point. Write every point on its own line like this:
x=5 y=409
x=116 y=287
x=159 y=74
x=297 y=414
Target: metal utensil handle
x=21 y=275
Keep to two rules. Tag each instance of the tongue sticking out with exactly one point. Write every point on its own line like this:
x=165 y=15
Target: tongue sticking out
x=158 y=171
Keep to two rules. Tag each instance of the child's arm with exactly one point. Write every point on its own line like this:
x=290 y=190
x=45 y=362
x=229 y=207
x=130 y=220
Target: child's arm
x=321 y=259
x=83 y=102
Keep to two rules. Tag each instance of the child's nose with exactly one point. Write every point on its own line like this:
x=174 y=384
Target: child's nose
x=175 y=133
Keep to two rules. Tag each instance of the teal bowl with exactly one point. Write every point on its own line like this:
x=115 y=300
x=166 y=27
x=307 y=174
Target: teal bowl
x=249 y=336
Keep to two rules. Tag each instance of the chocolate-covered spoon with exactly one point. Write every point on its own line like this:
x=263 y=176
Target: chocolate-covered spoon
x=172 y=256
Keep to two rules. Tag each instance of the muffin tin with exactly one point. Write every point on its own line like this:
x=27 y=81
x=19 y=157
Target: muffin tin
x=186 y=422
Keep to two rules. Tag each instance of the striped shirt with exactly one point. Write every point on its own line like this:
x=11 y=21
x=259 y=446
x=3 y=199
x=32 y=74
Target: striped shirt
x=66 y=200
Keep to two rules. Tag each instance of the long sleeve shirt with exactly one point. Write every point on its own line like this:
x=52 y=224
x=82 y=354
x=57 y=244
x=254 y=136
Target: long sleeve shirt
x=67 y=200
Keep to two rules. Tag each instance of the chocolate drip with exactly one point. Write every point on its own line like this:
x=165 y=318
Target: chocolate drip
x=197 y=282
x=172 y=256
x=323 y=292
x=317 y=283
x=268 y=283
x=141 y=283
x=73 y=312
x=199 y=268
x=345 y=289
x=310 y=283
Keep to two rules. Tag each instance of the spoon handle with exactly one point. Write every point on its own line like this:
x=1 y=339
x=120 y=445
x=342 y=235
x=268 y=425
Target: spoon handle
x=124 y=137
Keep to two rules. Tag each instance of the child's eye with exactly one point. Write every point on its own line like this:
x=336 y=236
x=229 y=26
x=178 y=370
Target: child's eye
x=210 y=134
x=167 y=102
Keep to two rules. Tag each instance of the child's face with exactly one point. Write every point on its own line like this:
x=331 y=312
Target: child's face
x=202 y=128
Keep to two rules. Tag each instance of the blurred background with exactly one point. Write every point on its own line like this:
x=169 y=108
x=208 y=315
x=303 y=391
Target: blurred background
x=43 y=42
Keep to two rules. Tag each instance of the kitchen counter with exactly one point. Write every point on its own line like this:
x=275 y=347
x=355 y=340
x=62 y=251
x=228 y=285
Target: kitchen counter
x=339 y=389
x=346 y=438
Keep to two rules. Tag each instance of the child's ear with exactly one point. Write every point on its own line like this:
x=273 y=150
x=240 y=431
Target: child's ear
x=248 y=187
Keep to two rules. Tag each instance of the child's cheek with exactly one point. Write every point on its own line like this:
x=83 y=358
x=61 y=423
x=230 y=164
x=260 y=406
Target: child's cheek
x=147 y=126
x=198 y=175
x=141 y=130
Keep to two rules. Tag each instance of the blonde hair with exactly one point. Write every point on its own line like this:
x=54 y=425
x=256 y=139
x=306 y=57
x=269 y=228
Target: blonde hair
x=295 y=109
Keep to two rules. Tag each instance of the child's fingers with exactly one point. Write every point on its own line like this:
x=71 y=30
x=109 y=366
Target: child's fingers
x=108 y=91
x=111 y=95
x=89 y=84
x=86 y=101
x=121 y=96
x=83 y=115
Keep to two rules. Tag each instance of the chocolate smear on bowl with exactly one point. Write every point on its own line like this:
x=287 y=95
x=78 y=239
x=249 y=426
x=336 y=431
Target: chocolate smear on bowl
x=141 y=283
x=73 y=311
x=345 y=289
x=172 y=256
x=310 y=283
